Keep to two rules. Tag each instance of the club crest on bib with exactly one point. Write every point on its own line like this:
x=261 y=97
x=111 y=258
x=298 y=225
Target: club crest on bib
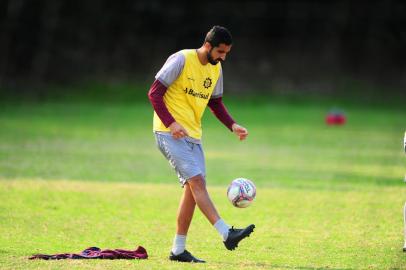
x=207 y=83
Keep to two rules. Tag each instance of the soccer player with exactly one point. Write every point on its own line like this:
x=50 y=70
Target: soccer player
x=189 y=81
x=404 y=221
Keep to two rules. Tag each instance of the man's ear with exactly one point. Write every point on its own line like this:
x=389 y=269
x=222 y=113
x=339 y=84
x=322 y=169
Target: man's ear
x=208 y=46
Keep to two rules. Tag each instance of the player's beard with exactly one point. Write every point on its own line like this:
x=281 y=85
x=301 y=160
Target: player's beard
x=211 y=59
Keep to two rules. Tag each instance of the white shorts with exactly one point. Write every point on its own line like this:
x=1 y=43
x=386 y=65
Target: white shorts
x=185 y=156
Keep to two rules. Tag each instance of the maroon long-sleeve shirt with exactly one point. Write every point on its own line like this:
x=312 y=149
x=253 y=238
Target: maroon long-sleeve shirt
x=97 y=253
x=156 y=96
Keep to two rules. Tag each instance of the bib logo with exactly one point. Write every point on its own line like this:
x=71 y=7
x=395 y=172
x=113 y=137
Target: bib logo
x=195 y=94
x=207 y=83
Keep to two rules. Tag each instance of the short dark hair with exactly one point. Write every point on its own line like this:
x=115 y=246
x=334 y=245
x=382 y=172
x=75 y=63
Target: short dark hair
x=218 y=35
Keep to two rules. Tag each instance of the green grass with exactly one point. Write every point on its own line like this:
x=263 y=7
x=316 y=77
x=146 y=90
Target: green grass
x=74 y=175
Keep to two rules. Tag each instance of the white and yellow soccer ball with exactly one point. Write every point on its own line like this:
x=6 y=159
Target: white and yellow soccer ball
x=241 y=192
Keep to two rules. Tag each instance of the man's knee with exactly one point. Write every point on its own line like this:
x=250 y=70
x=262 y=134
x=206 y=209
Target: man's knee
x=197 y=182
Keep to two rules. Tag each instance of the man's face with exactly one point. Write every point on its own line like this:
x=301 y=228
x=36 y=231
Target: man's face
x=216 y=54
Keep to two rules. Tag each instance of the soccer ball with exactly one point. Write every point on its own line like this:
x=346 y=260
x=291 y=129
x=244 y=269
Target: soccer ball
x=241 y=192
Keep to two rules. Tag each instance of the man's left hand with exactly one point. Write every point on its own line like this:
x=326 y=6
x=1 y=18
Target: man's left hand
x=240 y=131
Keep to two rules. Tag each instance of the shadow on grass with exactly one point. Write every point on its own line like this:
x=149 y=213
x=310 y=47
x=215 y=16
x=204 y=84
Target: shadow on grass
x=305 y=179
x=277 y=266
x=308 y=267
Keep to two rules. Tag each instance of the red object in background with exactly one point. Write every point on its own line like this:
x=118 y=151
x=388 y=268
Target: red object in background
x=335 y=119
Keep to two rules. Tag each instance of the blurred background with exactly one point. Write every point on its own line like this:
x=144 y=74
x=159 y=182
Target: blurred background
x=112 y=49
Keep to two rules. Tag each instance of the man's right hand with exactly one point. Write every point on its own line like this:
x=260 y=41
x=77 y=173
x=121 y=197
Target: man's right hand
x=177 y=131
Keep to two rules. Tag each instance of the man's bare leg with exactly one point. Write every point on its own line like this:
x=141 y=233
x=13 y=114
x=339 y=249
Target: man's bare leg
x=197 y=186
x=231 y=237
x=185 y=211
x=184 y=218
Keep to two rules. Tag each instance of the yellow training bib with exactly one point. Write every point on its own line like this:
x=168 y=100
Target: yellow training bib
x=187 y=97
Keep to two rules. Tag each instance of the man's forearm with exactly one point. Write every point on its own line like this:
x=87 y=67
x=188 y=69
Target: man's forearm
x=156 y=96
x=217 y=107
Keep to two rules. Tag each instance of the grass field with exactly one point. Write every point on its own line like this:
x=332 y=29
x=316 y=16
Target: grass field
x=76 y=175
